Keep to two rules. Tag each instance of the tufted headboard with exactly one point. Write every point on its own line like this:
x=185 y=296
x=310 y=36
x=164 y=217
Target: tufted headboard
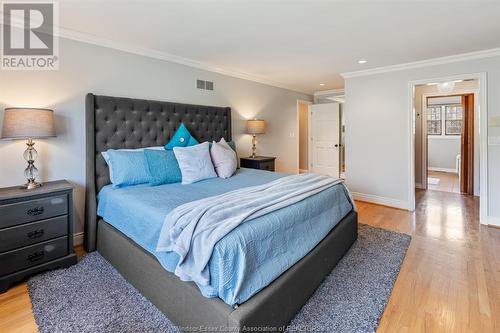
x=117 y=122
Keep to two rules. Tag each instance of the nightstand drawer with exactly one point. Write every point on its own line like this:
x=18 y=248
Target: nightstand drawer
x=258 y=162
x=269 y=166
x=28 y=256
x=32 y=210
x=34 y=232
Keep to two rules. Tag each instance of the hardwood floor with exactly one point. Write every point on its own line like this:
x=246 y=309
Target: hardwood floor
x=15 y=308
x=449 y=281
x=450 y=278
x=448 y=182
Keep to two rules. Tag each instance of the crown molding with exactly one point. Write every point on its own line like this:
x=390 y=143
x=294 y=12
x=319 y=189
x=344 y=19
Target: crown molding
x=150 y=53
x=425 y=63
x=329 y=92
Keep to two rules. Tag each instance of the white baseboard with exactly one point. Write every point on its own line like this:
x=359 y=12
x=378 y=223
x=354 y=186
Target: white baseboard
x=493 y=221
x=396 y=203
x=78 y=238
x=442 y=169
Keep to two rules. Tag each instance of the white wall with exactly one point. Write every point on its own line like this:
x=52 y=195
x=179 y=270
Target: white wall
x=377 y=127
x=442 y=152
x=86 y=68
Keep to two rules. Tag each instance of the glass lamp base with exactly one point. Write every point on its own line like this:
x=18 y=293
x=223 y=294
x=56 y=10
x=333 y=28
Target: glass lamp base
x=31 y=184
x=254 y=147
x=31 y=172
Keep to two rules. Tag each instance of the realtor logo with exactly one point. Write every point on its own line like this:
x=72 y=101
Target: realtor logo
x=29 y=39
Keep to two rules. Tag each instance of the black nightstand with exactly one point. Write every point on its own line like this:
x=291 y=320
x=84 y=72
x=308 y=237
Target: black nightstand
x=36 y=230
x=259 y=162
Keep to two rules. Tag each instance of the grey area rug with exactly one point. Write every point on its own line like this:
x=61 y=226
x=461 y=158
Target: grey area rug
x=93 y=297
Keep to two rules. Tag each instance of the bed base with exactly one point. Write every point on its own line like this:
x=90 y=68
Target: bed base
x=269 y=310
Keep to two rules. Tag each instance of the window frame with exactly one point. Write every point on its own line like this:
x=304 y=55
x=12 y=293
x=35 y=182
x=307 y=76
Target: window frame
x=446 y=120
x=440 y=120
x=443 y=120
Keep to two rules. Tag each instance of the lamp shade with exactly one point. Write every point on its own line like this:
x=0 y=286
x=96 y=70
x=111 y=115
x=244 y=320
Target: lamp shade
x=26 y=123
x=256 y=126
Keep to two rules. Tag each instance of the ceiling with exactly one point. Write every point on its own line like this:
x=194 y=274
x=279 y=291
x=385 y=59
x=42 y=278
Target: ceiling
x=295 y=44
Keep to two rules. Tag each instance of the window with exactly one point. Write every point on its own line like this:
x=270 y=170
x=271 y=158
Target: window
x=453 y=122
x=434 y=121
x=444 y=119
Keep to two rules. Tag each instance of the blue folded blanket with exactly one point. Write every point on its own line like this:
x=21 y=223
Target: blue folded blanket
x=192 y=229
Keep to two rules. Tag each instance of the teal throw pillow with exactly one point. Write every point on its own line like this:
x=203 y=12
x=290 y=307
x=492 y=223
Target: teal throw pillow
x=181 y=138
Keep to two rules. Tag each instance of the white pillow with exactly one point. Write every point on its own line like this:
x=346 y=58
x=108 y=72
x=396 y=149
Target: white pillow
x=195 y=163
x=223 y=158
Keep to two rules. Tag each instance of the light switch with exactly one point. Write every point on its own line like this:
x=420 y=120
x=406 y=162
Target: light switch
x=494 y=121
x=494 y=141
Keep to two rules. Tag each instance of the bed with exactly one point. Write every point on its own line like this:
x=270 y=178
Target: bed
x=124 y=234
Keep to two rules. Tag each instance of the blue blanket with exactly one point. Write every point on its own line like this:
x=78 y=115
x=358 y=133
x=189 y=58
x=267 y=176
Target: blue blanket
x=252 y=255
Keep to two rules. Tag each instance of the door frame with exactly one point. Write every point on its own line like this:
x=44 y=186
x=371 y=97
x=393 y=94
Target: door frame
x=424 y=143
x=482 y=136
x=297 y=135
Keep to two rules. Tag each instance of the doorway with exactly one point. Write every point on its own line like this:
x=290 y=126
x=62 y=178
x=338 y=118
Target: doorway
x=449 y=111
x=319 y=138
x=303 y=130
x=448 y=132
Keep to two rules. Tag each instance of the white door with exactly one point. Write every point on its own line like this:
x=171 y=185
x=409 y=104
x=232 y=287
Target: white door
x=325 y=139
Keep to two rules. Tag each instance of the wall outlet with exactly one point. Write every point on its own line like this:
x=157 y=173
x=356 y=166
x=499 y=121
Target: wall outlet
x=494 y=141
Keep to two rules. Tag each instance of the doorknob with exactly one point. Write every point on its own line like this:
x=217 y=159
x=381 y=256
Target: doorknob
x=336 y=145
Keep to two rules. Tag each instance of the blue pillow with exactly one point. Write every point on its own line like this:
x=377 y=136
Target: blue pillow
x=181 y=138
x=129 y=168
x=162 y=166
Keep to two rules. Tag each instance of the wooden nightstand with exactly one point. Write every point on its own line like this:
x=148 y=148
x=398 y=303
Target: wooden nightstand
x=36 y=230
x=259 y=162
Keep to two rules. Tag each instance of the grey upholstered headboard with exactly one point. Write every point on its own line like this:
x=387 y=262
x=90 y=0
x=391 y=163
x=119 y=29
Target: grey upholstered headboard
x=117 y=122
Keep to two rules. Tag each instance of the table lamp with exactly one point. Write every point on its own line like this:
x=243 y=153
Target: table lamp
x=254 y=127
x=28 y=124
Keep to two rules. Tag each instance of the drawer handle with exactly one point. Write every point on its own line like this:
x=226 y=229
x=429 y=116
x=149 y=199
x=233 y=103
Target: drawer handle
x=36 y=256
x=35 y=234
x=35 y=211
